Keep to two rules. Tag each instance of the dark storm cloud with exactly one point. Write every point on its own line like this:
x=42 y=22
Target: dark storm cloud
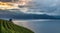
x=5 y=0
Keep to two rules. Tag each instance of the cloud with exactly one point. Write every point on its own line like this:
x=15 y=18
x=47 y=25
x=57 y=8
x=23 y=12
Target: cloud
x=51 y=7
x=6 y=0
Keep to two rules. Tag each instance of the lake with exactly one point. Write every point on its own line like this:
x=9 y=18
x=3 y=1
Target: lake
x=40 y=26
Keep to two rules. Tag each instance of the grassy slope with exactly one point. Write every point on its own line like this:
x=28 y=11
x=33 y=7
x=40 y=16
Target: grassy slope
x=9 y=27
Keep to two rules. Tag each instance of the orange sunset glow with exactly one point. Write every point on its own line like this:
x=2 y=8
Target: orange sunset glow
x=12 y=5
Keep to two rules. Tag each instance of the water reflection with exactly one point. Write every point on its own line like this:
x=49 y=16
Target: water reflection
x=41 y=26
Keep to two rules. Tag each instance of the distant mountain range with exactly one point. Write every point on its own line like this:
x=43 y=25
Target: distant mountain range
x=34 y=16
x=13 y=15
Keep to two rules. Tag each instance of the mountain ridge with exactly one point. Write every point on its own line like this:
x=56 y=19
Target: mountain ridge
x=21 y=15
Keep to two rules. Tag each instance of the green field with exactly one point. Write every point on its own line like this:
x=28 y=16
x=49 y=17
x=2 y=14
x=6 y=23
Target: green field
x=10 y=27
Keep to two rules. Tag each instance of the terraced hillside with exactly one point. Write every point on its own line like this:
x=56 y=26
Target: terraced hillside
x=9 y=27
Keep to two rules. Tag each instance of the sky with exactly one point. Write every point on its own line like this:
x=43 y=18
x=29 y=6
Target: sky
x=50 y=7
x=6 y=0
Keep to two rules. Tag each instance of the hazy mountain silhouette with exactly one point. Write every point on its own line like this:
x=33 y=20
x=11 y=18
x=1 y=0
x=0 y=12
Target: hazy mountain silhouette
x=8 y=14
x=34 y=16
